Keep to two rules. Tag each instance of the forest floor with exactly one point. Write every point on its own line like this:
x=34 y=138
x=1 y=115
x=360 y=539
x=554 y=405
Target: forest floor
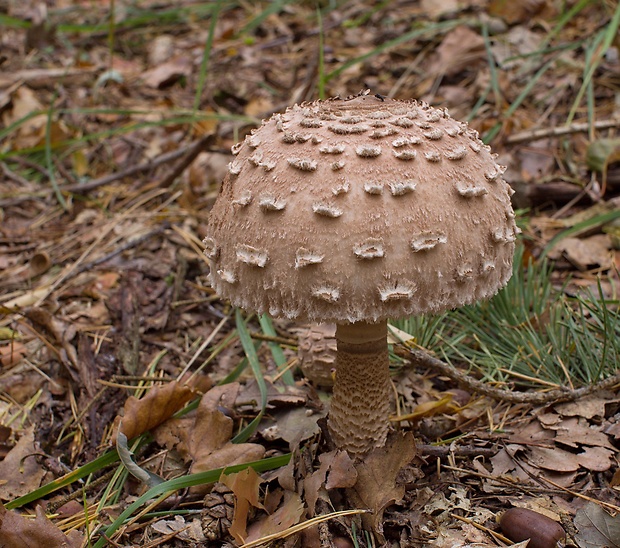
x=116 y=128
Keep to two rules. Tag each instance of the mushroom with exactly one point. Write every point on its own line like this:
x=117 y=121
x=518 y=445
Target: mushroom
x=353 y=211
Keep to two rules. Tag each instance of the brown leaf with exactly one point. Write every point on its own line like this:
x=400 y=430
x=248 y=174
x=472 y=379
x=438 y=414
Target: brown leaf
x=588 y=408
x=341 y=472
x=19 y=469
x=17 y=531
x=159 y=404
x=597 y=529
x=245 y=486
x=209 y=440
x=585 y=252
x=229 y=455
x=516 y=12
x=289 y=514
x=212 y=430
x=293 y=426
x=167 y=73
x=335 y=471
x=12 y=353
x=376 y=487
x=460 y=49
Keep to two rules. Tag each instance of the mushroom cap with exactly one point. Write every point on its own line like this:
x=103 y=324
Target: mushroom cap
x=361 y=209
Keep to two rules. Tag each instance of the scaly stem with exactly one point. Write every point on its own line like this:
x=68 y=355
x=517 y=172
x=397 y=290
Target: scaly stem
x=359 y=413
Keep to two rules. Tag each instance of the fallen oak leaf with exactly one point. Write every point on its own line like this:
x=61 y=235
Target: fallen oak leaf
x=288 y=514
x=209 y=441
x=245 y=486
x=159 y=404
x=18 y=531
x=597 y=529
x=20 y=469
x=376 y=487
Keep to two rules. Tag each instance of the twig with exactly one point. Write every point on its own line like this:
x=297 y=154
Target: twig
x=458 y=451
x=120 y=249
x=537 y=398
x=9 y=174
x=558 y=131
x=133 y=170
x=194 y=150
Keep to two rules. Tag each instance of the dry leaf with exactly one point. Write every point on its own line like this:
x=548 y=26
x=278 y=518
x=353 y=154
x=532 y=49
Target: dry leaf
x=160 y=403
x=341 y=472
x=16 y=531
x=12 y=353
x=245 y=486
x=19 y=469
x=376 y=487
x=289 y=514
x=460 y=49
x=516 y=12
x=335 y=471
x=209 y=440
x=585 y=252
x=597 y=529
x=293 y=426
x=229 y=455
x=167 y=73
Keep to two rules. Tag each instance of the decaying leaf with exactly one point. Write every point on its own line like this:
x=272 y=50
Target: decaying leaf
x=596 y=528
x=16 y=531
x=19 y=469
x=209 y=440
x=335 y=471
x=12 y=353
x=376 y=487
x=245 y=486
x=288 y=514
x=293 y=426
x=585 y=252
x=159 y=404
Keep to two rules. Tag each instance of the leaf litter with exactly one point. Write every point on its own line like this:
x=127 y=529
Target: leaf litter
x=105 y=300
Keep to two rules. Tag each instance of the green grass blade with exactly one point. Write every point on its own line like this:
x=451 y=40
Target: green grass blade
x=581 y=227
x=206 y=55
x=276 y=351
x=171 y=486
x=104 y=460
x=250 y=352
x=607 y=37
x=411 y=35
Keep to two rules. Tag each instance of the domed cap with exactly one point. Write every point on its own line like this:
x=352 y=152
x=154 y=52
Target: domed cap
x=363 y=208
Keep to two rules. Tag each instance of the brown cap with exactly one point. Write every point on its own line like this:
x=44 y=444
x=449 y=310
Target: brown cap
x=361 y=209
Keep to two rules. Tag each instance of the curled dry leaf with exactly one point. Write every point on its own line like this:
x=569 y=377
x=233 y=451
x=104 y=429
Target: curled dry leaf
x=335 y=471
x=20 y=470
x=245 y=486
x=18 y=531
x=159 y=404
x=288 y=514
x=209 y=440
x=376 y=487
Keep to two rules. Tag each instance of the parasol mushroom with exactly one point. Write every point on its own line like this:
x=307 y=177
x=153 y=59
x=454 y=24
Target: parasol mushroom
x=353 y=211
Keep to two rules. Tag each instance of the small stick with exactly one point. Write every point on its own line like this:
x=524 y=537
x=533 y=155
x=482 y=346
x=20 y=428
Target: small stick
x=133 y=170
x=558 y=131
x=554 y=396
x=445 y=450
x=194 y=150
x=120 y=249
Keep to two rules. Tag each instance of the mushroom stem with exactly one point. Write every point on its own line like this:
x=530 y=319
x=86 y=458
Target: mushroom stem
x=359 y=413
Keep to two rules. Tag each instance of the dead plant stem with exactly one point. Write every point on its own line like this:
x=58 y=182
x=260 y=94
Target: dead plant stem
x=422 y=358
